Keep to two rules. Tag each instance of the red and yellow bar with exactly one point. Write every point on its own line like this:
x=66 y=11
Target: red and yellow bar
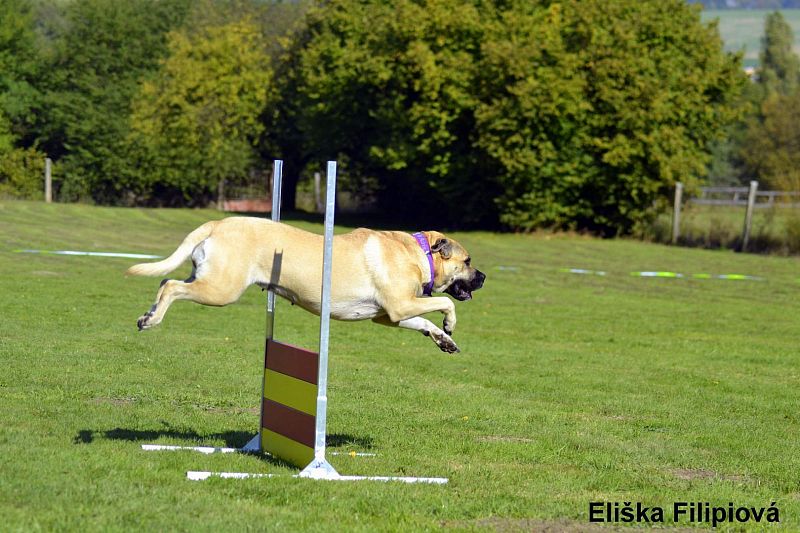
x=288 y=414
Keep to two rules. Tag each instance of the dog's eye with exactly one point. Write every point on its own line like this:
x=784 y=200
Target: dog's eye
x=467 y=261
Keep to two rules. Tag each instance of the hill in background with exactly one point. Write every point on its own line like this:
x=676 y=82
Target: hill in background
x=742 y=29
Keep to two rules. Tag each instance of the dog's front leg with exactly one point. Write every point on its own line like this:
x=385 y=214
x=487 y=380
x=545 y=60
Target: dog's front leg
x=424 y=326
x=401 y=309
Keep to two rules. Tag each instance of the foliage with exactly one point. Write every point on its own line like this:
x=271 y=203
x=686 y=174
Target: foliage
x=21 y=165
x=105 y=49
x=596 y=109
x=22 y=173
x=388 y=90
x=19 y=68
x=772 y=147
x=772 y=138
x=780 y=66
x=571 y=114
x=515 y=113
x=197 y=121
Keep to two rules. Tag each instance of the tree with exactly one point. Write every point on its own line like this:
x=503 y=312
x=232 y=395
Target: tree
x=595 y=109
x=772 y=147
x=780 y=66
x=99 y=57
x=197 y=122
x=772 y=138
x=386 y=88
x=21 y=164
x=576 y=114
x=19 y=65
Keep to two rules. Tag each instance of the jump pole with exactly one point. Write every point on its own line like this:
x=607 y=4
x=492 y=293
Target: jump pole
x=319 y=467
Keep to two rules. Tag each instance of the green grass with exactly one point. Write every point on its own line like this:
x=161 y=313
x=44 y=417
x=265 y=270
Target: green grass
x=743 y=29
x=569 y=389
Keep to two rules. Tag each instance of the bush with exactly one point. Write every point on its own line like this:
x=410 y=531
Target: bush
x=22 y=174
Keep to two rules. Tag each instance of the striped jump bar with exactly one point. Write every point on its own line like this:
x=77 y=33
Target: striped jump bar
x=289 y=403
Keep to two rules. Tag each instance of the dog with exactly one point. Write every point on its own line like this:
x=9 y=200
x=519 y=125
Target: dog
x=384 y=276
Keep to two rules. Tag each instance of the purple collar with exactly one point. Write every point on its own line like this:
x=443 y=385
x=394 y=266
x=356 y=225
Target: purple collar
x=426 y=247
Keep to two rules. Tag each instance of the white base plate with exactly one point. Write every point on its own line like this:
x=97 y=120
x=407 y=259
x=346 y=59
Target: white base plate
x=246 y=449
x=200 y=476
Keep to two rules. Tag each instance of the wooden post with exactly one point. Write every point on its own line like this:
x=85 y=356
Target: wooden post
x=221 y=194
x=748 y=216
x=48 y=180
x=676 y=213
x=317 y=197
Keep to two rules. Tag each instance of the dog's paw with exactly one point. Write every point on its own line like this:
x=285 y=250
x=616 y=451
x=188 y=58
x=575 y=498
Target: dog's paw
x=144 y=321
x=445 y=343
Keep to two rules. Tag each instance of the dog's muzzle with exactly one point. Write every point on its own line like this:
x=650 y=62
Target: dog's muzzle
x=461 y=289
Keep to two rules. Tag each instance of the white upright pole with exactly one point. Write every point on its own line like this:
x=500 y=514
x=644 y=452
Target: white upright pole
x=254 y=445
x=277 y=179
x=319 y=467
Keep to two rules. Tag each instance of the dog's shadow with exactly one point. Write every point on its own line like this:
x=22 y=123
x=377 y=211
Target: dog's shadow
x=232 y=439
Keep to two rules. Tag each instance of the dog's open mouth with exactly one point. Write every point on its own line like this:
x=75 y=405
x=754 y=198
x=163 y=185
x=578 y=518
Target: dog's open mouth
x=461 y=289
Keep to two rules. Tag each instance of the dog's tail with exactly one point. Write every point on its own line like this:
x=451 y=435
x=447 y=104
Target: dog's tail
x=180 y=255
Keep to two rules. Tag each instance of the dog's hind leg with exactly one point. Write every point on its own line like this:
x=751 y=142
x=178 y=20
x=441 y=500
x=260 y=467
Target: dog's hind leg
x=213 y=282
x=424 y=326
x=201 y=291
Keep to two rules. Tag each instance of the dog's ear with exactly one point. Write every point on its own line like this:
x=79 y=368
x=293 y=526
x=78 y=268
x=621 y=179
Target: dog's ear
x=443 y=246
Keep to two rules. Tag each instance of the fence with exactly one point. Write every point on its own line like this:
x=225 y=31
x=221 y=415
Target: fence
x=748 y=197
x=733 y=196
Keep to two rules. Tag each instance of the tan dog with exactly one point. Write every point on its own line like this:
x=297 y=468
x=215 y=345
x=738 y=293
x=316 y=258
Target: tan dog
x=378 y=275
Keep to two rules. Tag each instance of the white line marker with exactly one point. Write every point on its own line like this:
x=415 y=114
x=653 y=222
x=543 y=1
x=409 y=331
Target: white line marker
x=202 y=449
x=92 y=254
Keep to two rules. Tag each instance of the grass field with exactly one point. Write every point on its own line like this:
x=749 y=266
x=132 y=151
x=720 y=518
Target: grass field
x=742 y=29
x=569 y=389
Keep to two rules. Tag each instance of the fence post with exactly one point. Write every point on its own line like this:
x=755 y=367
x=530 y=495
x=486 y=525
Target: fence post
x=317 y=196
x=48 y=180
x=748 y=216
x=676 y=213
x=221 y=195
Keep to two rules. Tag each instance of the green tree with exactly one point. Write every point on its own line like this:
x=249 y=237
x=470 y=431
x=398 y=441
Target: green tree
x=780 y=66
x=595 y=109
x=198 y=121
x=19 y=66
x=21 y=164
x=772 y=147
x=575 y=114
x=102 y=51
x=387 y=89
x=772 y=138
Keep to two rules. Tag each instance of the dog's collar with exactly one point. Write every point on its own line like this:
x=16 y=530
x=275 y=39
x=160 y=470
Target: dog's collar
x=427 y=290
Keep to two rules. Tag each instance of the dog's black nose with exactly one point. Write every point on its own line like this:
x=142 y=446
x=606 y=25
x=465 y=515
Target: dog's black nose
x=477 y=281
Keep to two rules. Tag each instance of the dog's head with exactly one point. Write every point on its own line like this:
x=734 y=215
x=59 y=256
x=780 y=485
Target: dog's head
x=453 y=267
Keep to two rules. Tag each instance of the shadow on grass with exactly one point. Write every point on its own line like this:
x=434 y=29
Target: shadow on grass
x=232 y=439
